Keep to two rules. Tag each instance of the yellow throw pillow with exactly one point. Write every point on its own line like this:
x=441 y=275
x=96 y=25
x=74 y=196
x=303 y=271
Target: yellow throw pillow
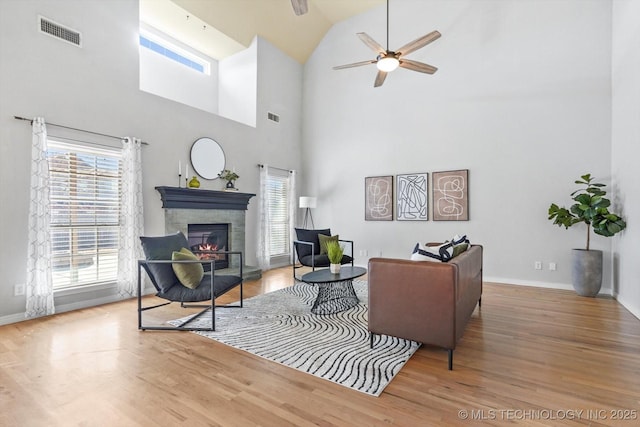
x=323 y=239
x=189 y=274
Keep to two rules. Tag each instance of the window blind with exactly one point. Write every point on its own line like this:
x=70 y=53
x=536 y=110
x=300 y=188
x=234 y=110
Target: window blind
x=278 y=192
x=85 y=207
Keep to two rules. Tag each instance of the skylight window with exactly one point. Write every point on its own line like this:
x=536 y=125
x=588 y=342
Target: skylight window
x=167 y=49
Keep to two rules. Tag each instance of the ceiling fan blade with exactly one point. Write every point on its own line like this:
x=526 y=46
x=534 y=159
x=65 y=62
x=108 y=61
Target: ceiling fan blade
x=355 y=64
x=417 y=66
x=300 y=7
x=418 y=43
x=380 y=78
x=372 y=43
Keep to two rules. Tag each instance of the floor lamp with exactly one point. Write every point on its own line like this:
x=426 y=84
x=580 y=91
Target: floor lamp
x=307 y=203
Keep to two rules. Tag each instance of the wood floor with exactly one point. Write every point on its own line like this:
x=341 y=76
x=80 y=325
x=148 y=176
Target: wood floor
x=531 y=357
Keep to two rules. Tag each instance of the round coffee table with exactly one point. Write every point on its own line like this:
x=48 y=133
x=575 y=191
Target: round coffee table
x=335 y=291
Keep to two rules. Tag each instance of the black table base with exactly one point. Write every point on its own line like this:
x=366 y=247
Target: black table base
x=335 y=297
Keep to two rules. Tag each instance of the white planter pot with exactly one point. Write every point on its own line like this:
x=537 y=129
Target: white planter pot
x=334 y=268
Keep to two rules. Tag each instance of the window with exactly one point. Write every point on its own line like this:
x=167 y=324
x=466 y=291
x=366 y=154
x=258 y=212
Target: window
x=165 y=48
x=278 y=187
x=84 y=205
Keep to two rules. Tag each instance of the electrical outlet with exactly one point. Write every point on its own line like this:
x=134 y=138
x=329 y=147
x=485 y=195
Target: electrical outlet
x=18 y=289
x=552 y=266
x=538 y=265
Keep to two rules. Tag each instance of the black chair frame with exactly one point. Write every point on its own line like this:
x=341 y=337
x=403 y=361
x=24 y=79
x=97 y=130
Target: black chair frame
x=313 y=264
x=143 y=263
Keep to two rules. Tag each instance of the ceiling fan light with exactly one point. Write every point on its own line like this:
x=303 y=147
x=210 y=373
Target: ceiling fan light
x=387 y=64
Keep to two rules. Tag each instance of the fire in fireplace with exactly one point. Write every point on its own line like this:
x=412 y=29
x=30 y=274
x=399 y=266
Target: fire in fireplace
x=206 y=238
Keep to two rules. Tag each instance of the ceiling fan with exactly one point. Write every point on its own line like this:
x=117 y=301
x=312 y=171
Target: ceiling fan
x=300 y=7
x=388 y=60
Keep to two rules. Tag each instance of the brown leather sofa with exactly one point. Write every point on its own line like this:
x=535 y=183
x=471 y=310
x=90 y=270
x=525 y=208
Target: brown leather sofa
x=423 y=301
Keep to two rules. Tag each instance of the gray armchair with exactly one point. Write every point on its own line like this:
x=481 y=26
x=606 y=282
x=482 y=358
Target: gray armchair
x=158 y=266
x=307 y=250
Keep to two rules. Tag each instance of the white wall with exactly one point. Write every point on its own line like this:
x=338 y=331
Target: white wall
x=626 y=147
x=522 y=99
x=97 y=88
x=238 y=79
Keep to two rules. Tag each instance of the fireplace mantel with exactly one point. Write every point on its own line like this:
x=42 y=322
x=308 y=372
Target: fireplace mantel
x=189 y=198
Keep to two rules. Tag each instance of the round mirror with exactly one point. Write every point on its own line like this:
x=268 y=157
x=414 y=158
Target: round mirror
x=207 y=158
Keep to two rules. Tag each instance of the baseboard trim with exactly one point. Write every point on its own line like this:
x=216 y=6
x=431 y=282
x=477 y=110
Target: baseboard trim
x=20 y=317
x=63 y=308
x=12 y=318
x=630 y=306
x=548 y=285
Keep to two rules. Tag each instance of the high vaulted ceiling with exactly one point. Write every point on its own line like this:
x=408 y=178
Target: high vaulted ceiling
x=222 y=27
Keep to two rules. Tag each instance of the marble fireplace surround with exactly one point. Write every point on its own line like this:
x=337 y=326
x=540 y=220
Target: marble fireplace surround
x=184 y=206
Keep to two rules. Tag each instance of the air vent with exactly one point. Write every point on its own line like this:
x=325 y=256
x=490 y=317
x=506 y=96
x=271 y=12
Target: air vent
x=273 y=117
x=58 y=31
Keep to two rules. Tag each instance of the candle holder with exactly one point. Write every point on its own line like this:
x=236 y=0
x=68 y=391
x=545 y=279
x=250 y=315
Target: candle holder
x=186 y=182
x=179 y=179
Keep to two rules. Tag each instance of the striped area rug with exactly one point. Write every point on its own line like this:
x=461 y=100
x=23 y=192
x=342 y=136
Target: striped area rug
x=279 y=326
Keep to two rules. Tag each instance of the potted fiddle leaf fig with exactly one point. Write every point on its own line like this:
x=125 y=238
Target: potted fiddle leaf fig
x=334 y=253
x=591 y=207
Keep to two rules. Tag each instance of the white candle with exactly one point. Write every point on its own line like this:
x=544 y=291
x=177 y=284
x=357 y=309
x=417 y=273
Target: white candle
x=179 y=167
x=187 y=174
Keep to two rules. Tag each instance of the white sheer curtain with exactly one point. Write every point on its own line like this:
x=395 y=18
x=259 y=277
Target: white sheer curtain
x=39 y=286
x=263 y=254
x=293 y=211
x=131 y=217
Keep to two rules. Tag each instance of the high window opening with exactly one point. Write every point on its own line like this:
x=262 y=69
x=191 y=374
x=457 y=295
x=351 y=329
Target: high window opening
x=164 y=47
x=174 y=70
x=84 y=214
x=187 y=60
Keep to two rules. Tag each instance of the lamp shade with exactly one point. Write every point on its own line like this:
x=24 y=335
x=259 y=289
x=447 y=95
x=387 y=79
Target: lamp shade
x=307 y=202
x=388 y=64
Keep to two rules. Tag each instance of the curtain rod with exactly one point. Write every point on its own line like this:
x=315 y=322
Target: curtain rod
x=80 y=130
x=280 y=169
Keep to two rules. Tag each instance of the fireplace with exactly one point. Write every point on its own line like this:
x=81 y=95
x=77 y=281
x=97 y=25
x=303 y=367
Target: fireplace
x=209 y=237
x=186 y=207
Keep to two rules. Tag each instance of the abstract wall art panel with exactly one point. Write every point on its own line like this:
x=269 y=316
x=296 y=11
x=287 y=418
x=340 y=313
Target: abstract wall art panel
x=378 y=198
x=411 y=197
x=451 y=195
